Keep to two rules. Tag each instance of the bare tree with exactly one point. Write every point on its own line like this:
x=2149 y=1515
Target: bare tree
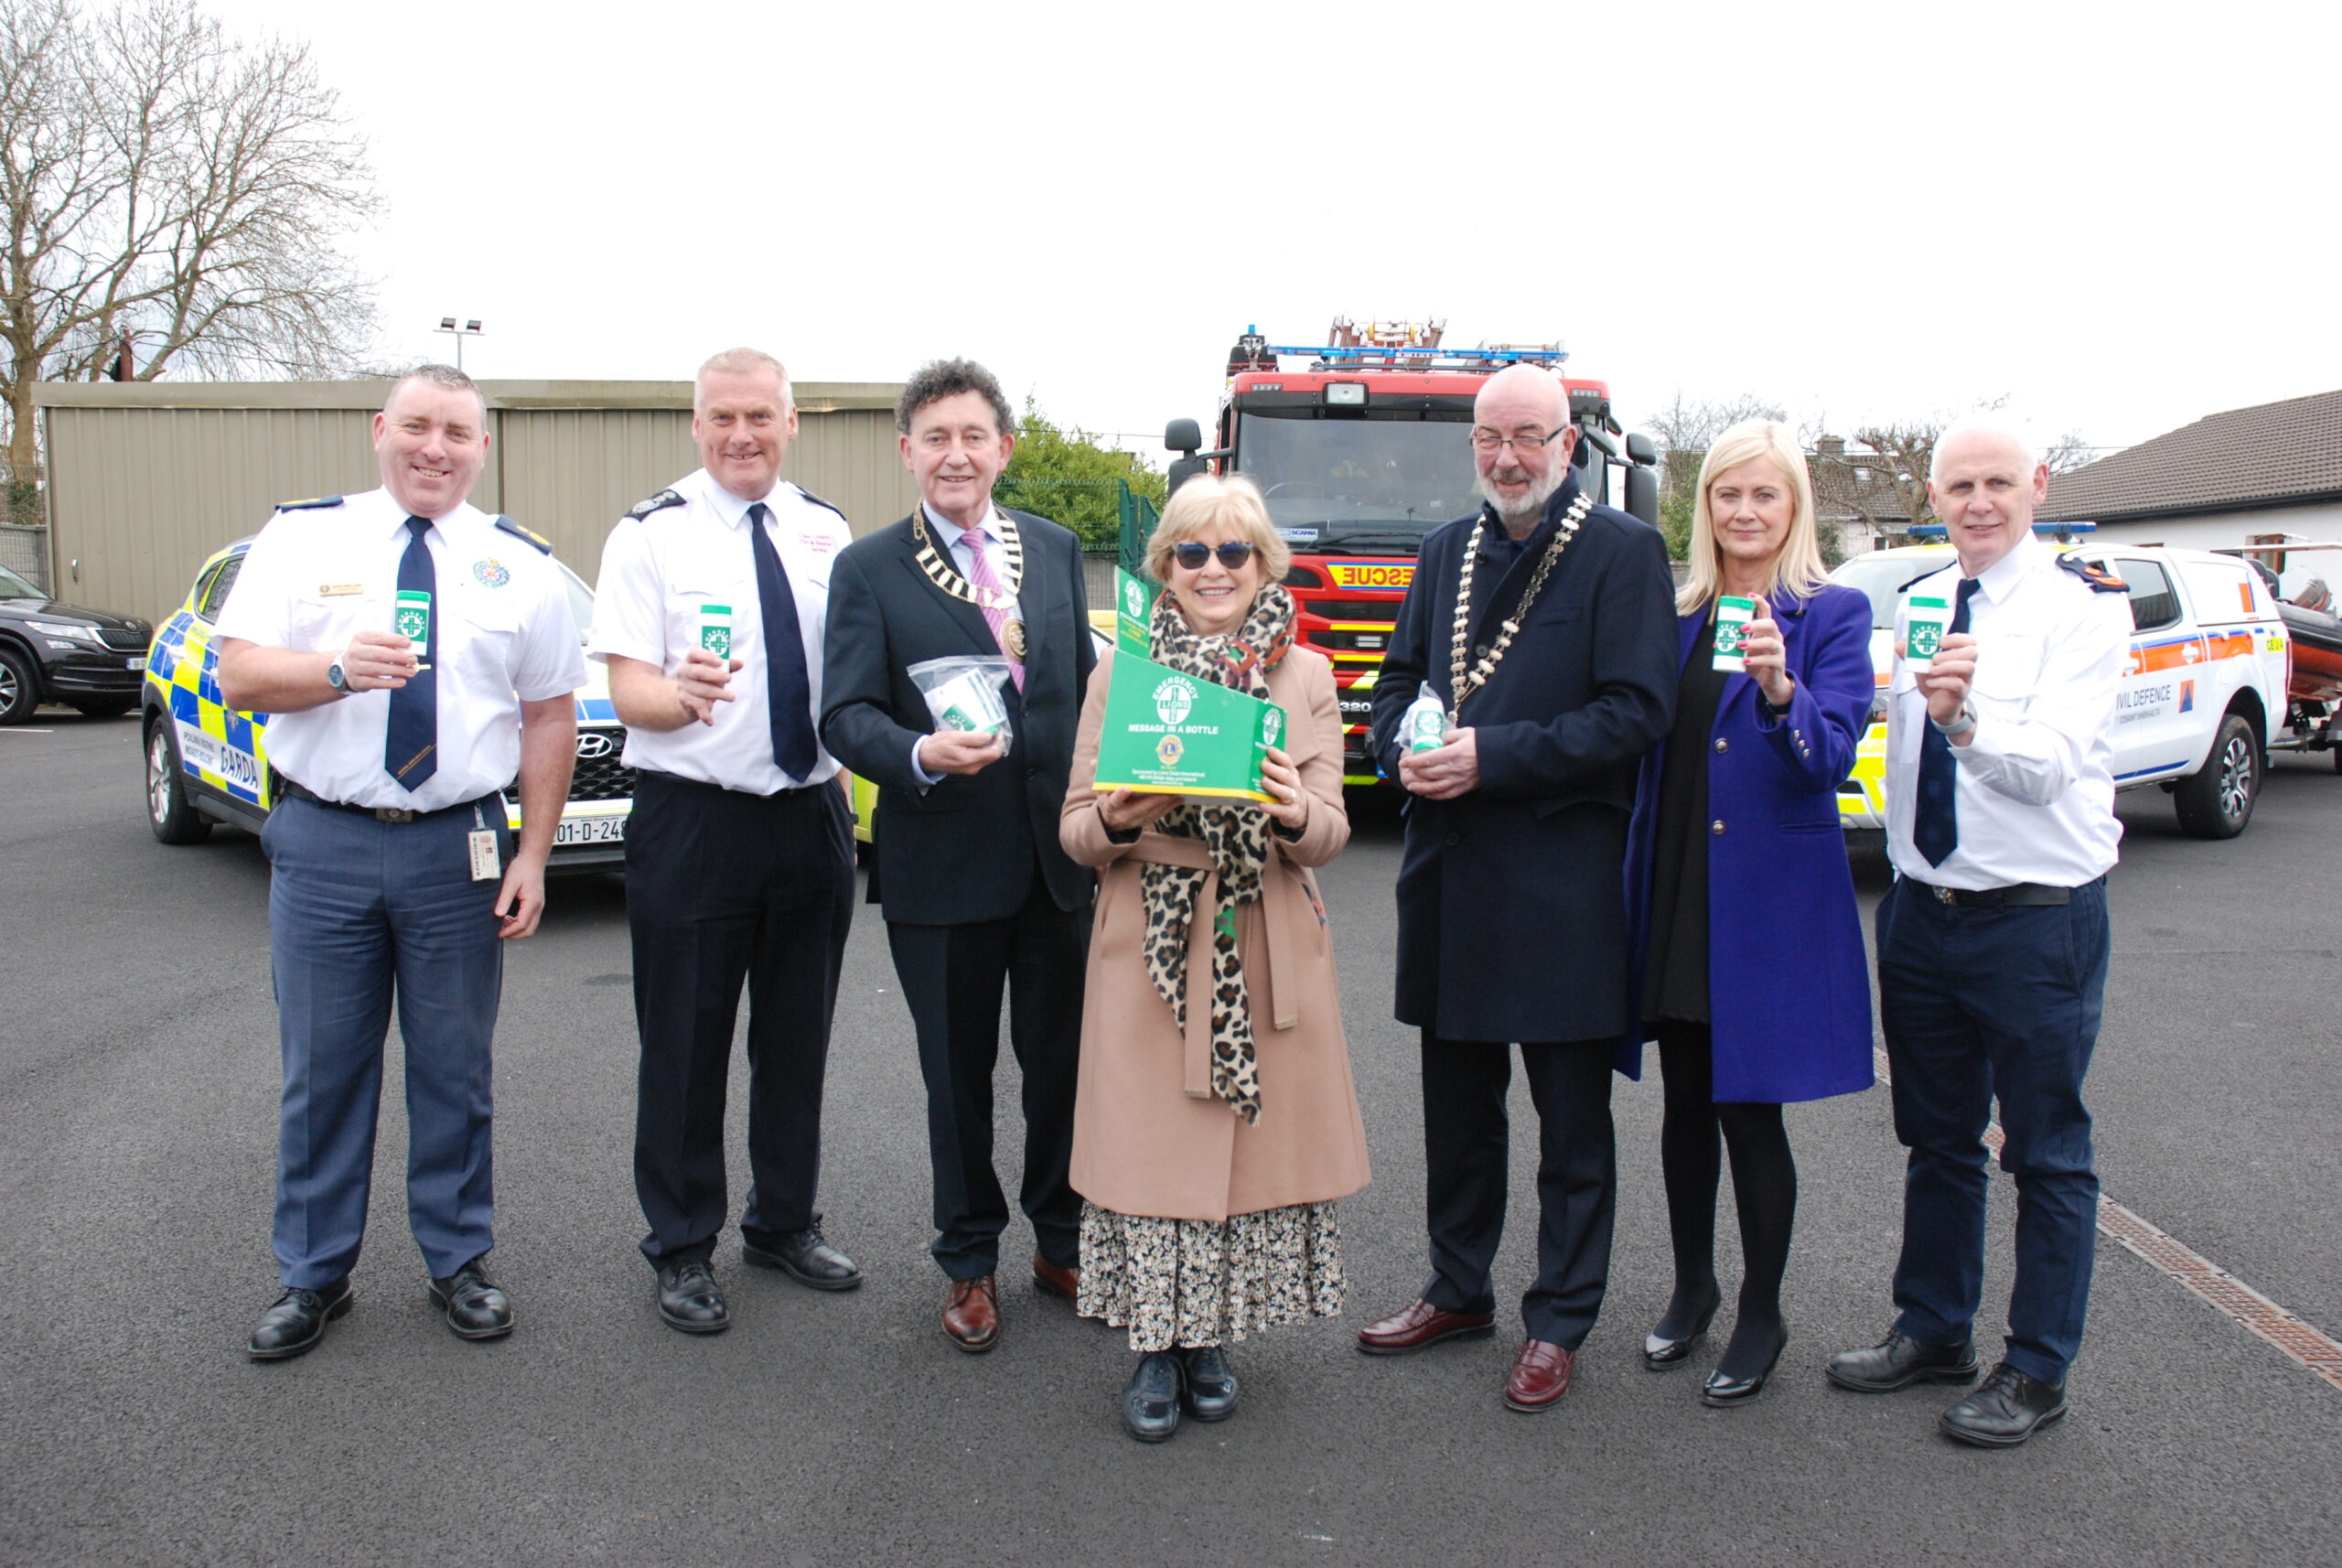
x=2070 y=452
x=169 y=196
x=1684 y=430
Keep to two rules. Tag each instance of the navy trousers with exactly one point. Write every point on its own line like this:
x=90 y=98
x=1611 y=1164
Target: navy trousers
x=360 y=911
x=953 y=977
x=722 y=888
x=1978 y=1004
x=1465 y=1170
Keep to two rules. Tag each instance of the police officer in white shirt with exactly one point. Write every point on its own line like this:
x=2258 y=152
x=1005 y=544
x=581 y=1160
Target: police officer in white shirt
x=417 y=655
x=711 y=606
x=1992 y=941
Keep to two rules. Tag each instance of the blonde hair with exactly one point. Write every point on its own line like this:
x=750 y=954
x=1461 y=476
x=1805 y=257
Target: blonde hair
x=1798 y=571
x=1235 y=504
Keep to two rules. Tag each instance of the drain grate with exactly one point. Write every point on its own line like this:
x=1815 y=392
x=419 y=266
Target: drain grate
x=2198 y=1275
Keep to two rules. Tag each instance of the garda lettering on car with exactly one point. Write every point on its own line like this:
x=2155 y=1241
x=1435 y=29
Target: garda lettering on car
x=1371 y=576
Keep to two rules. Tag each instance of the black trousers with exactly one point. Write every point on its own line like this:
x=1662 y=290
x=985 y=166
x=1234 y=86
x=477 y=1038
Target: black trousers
x=1465 y=1147
x=724 y=886
x=953 y=977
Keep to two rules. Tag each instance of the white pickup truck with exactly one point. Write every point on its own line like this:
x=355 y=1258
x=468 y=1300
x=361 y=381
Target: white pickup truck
x=2206 y=683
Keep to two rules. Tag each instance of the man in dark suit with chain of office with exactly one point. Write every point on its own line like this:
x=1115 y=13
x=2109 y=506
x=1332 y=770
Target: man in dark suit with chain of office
x=1545 y=625
x=977 y=892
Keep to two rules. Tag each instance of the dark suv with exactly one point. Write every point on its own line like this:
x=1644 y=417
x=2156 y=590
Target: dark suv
x=52 y=652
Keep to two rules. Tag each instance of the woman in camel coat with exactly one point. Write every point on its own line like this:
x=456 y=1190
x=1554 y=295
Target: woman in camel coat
x=1211 y=1138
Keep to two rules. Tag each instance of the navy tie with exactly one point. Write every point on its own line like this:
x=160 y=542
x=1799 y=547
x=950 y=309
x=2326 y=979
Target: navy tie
x=1935 y=825
x=787 y=690
x=411 y=742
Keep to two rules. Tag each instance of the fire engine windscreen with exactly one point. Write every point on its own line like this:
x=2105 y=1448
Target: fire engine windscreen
x=1345 y=476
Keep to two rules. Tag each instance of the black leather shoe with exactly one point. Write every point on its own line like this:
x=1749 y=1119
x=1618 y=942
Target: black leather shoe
x=688 y=1299
x=2006 y=1410
x=1898 y=1360
x=1151 y=1404
x=806 y=1258
x=1723 y=1392
x=1210 y=1391
x=475 y=1308
x=1664 y=1351
x=298 y=1320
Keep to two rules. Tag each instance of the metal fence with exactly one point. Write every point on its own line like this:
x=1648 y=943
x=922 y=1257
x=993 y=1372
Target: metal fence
x=25 y=551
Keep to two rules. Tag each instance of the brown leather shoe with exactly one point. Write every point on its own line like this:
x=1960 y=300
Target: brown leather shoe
x=972 y=1314
x=1540 y=1377
x=1050 y=1279
x=1421 y=1325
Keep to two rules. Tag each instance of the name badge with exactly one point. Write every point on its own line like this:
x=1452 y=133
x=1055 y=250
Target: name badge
x=338 y=590
x=483 y=839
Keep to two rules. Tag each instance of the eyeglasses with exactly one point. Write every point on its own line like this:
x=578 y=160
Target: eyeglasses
x=1192 y=555
x=1488 y=441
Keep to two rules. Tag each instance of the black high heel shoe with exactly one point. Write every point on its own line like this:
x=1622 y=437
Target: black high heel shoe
x=1661 y=1353
x=1722 y=1392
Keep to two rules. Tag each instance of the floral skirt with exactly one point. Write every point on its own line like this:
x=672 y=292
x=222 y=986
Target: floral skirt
x=1178 y=1283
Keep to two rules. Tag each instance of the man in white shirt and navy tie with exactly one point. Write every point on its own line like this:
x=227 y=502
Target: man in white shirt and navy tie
x=416 y=656
x=1992 y=941
x=739 y=854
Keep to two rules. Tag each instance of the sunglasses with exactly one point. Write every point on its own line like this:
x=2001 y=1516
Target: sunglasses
x=1192 y=555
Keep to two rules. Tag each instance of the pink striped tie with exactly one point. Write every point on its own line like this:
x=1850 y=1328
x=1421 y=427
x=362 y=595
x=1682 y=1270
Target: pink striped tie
x=981 y=575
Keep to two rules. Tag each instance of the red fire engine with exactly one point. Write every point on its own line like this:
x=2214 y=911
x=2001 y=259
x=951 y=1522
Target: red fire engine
x=1361 y=452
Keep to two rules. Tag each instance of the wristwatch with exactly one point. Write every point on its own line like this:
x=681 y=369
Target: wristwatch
x=1961 y=722
x=336 y=679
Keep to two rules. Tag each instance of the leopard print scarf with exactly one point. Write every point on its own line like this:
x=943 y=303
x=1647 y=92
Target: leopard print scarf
x=1237 y=834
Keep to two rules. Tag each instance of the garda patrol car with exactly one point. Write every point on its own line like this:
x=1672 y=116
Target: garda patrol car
x=2193 y=710
x=207 y=762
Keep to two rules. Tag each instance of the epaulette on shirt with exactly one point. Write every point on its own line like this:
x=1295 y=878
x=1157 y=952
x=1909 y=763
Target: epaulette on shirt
x=659 y=502
x=2099 y=579
x=825 y=505
x=527 y=535
x=312 y=504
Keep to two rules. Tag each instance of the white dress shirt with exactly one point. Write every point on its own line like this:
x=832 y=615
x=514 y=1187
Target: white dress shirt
x=658 y=570
x=317 y=576
x=2033 y=787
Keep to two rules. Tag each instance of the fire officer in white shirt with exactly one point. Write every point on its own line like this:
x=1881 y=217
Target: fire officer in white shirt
x=417 y=655
x=713 y=604
x=1993 y=941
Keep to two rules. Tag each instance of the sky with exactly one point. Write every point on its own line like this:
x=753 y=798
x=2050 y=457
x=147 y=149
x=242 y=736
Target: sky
x=2120 y=218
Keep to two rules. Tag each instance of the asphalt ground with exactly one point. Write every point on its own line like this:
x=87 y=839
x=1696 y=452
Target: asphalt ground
x=138 y=1085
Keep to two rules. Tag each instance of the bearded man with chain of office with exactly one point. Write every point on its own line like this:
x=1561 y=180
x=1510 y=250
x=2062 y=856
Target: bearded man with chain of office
x=1545 y=625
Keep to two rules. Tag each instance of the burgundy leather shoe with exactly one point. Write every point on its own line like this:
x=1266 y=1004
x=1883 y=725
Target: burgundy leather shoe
x=1050 y=1279
x=1421 y=1325
x=972 y=1314
x=1540 y=1377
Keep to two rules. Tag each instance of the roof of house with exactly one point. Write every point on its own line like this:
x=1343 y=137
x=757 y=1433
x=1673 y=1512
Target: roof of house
x=1847 y=488
x=2271 y=454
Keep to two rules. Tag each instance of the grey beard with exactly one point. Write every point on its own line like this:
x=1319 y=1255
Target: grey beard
x=1530 y=510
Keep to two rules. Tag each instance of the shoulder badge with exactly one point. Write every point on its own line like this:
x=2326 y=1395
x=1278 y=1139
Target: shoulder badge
x=659 y=502
x=314 y=503
x=529 y=535
x=2099 y=579
x=826 y=506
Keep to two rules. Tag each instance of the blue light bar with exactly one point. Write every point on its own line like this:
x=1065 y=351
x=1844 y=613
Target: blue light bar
x=1936 y=530
x=1458 y=356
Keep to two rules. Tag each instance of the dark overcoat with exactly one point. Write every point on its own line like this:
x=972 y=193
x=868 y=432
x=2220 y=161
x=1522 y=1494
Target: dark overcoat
x=1513 y=920
x=1789 y=986
x=963 y=849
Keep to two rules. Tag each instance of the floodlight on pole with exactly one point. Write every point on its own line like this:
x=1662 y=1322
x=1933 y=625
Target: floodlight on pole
x=470 y=328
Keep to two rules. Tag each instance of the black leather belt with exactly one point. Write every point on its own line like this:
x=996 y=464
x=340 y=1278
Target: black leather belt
x=300 y=791
x=2015 y=896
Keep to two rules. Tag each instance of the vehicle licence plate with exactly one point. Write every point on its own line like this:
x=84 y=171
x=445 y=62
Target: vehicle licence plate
x=134 y=664
x=590 y=830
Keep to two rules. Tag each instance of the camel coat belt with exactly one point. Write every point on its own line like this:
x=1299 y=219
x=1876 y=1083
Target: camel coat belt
x=1150 y=1135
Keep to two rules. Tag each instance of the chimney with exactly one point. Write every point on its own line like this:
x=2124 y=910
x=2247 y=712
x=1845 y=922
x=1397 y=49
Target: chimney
x=1831 y=446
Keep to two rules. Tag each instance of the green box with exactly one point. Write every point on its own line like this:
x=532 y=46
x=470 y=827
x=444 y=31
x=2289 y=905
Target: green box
x=715 y=629
x=1172 y=734
x=411 y=617
x=1923 y=627
x=1133 y=607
